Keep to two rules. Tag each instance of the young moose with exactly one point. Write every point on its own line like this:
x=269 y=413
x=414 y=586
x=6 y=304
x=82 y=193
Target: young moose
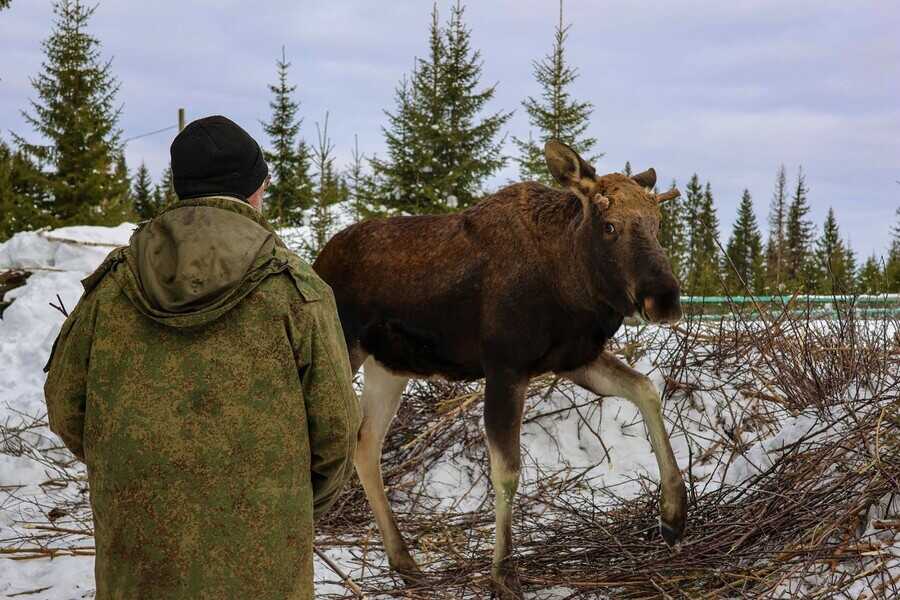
x=530 y=280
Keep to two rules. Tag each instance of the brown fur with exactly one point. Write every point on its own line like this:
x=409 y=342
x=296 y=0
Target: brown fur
x=528 y=281
x=515 y=281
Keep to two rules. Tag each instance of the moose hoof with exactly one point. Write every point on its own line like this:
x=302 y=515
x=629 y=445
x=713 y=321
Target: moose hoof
x=671 y=534
x=408 y=570
x=674 y=517
x=506 y=582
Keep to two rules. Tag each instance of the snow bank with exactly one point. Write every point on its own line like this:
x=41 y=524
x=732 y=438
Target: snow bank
x=58 y=260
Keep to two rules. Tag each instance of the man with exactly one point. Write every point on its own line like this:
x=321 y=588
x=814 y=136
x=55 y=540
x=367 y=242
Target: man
x=204 y=380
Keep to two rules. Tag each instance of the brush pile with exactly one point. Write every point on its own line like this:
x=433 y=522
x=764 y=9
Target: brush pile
x=787 y=429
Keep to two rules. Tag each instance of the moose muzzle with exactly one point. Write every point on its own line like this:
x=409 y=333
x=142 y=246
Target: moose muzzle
x=662 y=308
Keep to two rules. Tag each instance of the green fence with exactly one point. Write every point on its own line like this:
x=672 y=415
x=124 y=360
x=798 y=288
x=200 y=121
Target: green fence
x=874 y=306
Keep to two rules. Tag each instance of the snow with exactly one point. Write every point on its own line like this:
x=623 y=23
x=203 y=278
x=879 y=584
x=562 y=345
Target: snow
x=59 y=259
x=27 y=330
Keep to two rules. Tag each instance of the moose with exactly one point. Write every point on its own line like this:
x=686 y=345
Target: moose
x=530 y=280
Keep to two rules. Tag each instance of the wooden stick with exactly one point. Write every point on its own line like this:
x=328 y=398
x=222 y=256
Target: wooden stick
x=84 y=532
x=78 y=242
x=357 y=591
x=29 y=592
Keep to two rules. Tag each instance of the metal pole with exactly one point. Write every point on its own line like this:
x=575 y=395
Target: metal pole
x=180 y=119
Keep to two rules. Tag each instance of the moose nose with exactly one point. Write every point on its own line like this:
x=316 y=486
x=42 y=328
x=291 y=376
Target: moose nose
x=663 y=308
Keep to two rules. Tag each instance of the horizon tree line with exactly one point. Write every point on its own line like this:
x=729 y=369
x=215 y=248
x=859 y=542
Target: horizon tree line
x=442 y=145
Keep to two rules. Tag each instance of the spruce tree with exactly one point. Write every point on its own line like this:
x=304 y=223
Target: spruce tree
x=693 y=201
x=440 y=150
x=871 y=278
x=775 y=248
x=164 y=192
x=831 y=263
x=744 y=264
x=397 y=178
x=673 y=235
x=123 y=179
x=892 y=268
x=142 y=194
x=76 y=114
x=705 y=279
x=328 y=190
x=290 y=190
x=627 y=170
x=360 y=191
x=799 y=270
x=21 y=195
x=555 y=115
x=852 y=267
x=473 y=151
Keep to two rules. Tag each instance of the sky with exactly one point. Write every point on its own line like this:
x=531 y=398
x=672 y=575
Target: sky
x=728 y=90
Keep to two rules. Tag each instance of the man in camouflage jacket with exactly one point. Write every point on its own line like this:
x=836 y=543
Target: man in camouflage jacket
x=203 y=378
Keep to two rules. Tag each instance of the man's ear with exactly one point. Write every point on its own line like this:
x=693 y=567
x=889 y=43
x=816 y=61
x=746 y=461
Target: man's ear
x=566 y=166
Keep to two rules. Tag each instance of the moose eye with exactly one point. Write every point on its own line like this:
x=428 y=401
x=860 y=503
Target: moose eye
x=609 y=228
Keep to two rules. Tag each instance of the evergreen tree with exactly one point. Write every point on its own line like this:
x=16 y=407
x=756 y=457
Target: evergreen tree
x=799 y=269
x=328 y=190
x=705 y=279
x=439 y=150
x=775 y=249
x=556 y=115
x=474 y=151
x=76 y=114
x=123 y=179
x=360 y=189
x=693 y=201
x=871 y=278
x=627 y=170
x=164 y=192
x=397 y=178
x=673 y=236
x=852 y=267
x=20 y=194
x=290 y=190
x=832 y=260
x=142 y=194
x=4 y=4
x=892 y=268
x=744 y=265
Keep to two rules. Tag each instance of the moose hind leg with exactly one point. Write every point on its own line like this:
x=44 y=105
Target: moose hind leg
x=503 y=402
x=382 y=393
x=608 y=376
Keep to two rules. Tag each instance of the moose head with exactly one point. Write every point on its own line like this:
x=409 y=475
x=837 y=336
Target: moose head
x=617 y=236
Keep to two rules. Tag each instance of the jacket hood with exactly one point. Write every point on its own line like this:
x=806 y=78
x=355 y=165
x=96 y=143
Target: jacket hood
x=198 y=259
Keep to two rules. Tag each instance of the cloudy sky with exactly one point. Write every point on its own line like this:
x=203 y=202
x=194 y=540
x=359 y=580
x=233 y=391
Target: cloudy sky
x=725 y=89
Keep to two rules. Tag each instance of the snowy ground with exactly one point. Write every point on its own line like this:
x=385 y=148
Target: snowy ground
x=59 y=259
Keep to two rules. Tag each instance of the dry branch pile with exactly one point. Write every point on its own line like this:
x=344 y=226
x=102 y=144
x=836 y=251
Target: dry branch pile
x=10 y=280
x=792 y=428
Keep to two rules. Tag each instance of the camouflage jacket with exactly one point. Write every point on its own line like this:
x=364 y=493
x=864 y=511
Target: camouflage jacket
x=203 y=378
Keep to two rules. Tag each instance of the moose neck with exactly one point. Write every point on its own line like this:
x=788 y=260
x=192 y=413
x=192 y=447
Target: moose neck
x=566 y=226
x=584 y=261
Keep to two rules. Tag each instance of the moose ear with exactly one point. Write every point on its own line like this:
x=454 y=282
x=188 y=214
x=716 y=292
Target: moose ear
x=565 y=165
x=646 y=179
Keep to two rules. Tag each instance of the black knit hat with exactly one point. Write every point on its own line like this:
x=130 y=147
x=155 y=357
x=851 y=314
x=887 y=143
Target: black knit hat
x=213 y=156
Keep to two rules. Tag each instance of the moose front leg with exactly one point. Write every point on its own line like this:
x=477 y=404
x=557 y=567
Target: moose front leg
x=504 y=398
x=608 y=376
x=381 y=397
